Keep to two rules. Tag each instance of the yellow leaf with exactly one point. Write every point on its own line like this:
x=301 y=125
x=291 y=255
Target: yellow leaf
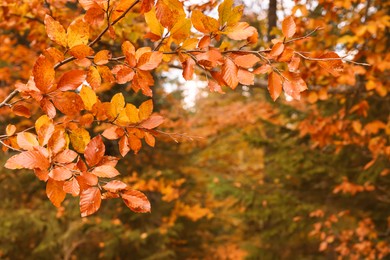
x=78 y=33
x=204 y=23
x=79 y=139
x=117 y=104
x=55 y=31
x=153 y=24
x=132 y=113
x=145 y=109
x=225 y=11
x=43 y=120
x=88 y=96
x=181 y=30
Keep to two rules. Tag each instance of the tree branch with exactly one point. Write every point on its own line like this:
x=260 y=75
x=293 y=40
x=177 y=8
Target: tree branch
x=8 y=98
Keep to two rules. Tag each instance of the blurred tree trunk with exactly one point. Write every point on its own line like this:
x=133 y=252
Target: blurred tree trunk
x=271 y=18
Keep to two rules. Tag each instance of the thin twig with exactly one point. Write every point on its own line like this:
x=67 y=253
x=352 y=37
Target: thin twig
x=330 y=59
x=112 y=24
x=10 y=147
x=304 y=37
x=8 y=98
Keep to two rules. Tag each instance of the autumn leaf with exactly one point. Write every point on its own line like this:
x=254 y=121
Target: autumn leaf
x=229 y=73
x=149 y=139
x=274 y=85
x=68 y=103
x=145 y=109
x=55 y=31
x=21 y=110
x=94 y=151
x=28 y=160
x=117 y=104
x=88 y=96
x=71 y=80
x=105 y=171
x=246 y=61
x=102 y=57
x=229 y=15
x=153 y=24
x=78 y=33
x=204 y=23
x=27 y=141
x=113 y=133
x=188 y=68
x=240 y=31
x=132 y=113
x=81 y=51
x=72 y=186
x=331 y=62
x=90 y=200
x=277 y=49
x=55 y=192
x=79 y=139
x=149 y=60
x=136 y=201
x=152 y=122
x=115 y=186
x=288 y=27
x=60 y=174
x=43 y=73
x=168 y=12
x=124 y=146
x=66 y=156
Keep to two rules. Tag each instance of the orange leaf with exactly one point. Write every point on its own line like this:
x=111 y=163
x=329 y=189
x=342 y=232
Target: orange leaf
x=124 y=147
x=105 y=171
x=124 y=74
x=168 y=12
x=245 y=77
x=149 y=139
x=71 y=80
x=55 y=192
x=229 y=73
x=72 y=187
x=115 y=186
x=102 y=57
x=246 y=61
x=90 y=200
x=60 y=174
x=66 y=156
x=274 y=85
x=68 y=103
x=55 y=31
x=28 y=160
x=21 y=110
x=93 y=78
x=81 y=51
x=94 y=151
x=188 y=68
x=136 y=201
x=10 y=129
x=57 y=142
x=134 y=143
x=78 y=33
x=152 y=122
x=277 y=49
x=333 y=65
x=241 y=31
x=44 y=74
x=288 y=27
x=149 y=60
x=48 y=107
x=113 y=133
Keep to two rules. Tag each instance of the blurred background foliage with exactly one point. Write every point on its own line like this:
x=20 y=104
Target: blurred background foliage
x=249 y=178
